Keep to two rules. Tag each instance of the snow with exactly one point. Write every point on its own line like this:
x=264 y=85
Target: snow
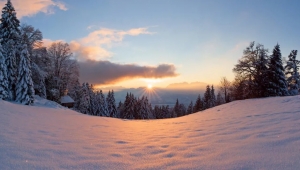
x=66 y=99
x=248 y=134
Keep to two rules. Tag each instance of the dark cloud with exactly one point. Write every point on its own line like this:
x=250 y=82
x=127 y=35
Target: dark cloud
x=106 y=72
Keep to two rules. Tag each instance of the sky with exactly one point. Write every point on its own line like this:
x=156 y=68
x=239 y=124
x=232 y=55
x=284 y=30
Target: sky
x=134 y=43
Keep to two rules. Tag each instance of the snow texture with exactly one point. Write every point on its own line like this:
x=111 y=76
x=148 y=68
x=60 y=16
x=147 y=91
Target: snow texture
x=249 y=134
x=66 y=99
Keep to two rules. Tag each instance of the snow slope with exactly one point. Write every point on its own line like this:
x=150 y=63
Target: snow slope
x=249 y=134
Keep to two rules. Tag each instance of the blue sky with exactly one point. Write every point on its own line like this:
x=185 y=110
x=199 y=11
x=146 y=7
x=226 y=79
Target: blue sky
x=202 y=39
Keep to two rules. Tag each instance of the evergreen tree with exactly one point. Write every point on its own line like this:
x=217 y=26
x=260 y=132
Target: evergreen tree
x=3 y=77
x=103 y=110
x=111 y=104
x=190 y=108
x=213 y=97
x=176 y=110
x=24 y=88
x=128 y=107
x=198 y=105
x=261 y=72
x=220 y=99
x=84 y=103
x=207 y=98
x=10 y=36
x=292 y=73
x=277 y=83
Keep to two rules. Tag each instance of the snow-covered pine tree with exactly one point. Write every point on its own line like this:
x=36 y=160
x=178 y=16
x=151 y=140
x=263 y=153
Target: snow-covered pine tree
x=145 y=112
x=24 y=84
x=129 y=104
x=103 y=111
x=93 y=101
x=3 y=77
x=10 y=36
x=137 y=114
x=111 y=104
x=292 y=73
x=84 y=103
x=76 y=94
x=277 y=83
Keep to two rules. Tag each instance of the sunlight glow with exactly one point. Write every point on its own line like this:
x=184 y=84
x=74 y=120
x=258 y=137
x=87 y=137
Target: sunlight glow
x=149 y=86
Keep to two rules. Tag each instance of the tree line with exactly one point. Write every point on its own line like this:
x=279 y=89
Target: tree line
x=94 y=102
x=260 y=74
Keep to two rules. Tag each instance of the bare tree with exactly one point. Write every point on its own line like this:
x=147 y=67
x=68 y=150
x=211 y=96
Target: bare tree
x=63 y=69
x=224 y=88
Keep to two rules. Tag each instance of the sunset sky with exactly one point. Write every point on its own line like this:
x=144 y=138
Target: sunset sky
x=128 y=43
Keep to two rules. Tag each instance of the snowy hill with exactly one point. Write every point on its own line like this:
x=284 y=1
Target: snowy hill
x=249 y=134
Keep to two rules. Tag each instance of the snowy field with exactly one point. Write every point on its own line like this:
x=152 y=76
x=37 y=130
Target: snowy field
x=249 y=134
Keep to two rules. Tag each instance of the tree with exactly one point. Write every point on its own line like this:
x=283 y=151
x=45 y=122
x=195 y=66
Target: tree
x=292 y=73
x=24 y=88
x=63 y=71
x=198 y=105
x=220 y=99
x=84 y=103
x=33 y=39
x=213 y=96
x=10 y=37
x=129 y=107
x=207 y=98
x=3 y=77
x=111 y=104
x=224 y=88
x=190 y=108
x=277 y=82
x=252 y=67
x=176 y=110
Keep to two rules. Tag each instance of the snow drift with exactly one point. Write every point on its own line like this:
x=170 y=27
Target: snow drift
x=249 y=134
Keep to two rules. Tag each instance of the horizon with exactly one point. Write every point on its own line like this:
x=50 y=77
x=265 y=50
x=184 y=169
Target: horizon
x=161 y=43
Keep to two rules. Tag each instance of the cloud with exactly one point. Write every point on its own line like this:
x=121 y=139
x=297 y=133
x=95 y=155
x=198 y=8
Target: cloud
x=32 y=7
x=106 y=72
x=95 y=46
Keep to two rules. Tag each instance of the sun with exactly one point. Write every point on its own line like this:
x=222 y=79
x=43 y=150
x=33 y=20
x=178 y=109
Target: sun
x=149 y=86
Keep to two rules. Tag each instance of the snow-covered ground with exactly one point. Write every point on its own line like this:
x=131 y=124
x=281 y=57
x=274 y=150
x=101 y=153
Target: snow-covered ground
x=249 y=134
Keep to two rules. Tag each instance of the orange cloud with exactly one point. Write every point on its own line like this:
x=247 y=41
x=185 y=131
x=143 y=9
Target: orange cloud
x=32 y=7
x=95 y=46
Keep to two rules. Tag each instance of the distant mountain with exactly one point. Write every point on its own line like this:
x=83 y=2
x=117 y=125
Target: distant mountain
x=187 y=86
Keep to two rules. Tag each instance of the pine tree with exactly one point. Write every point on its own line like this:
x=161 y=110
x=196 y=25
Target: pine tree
x=213 y=97
x=111 y=104
x=103 y=110
x=24 y=88
x=292 y=73
x=220 y=99
x=190 y=108
x=84 y=103
x=261 y=72
x=198 y=105
x=10 y=36
x=3 y=77
x=176 y=110
x=129 y=103
x=207 y=98
x=277 y=83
